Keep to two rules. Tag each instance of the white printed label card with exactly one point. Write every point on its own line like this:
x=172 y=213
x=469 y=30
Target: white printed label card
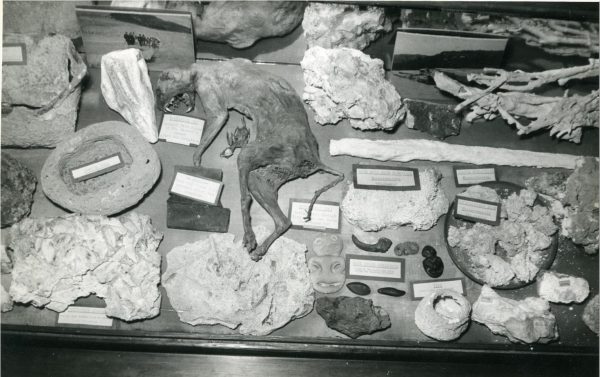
x=481 y=211
x=383 y=177
x=97 y=168
x=374 y=268
x=14 y=54
x=197 y=188
x=467 y=176
x=423 y=288
x=81 y=315
x=181 y=129
x=325 y=215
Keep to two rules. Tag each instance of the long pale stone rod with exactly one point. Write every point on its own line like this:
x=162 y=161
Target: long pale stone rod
x=410 y=150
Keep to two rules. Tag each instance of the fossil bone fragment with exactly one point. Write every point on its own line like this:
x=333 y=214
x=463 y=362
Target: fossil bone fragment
x=283 y=148
x=443 y=315
x=126 y=89
x=410 y=150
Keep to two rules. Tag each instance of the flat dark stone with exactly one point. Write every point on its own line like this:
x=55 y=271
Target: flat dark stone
x=390 y=291
x=192 y=215
x=438 y=120
x=428 y=251
x=359 y=288
x=433 y=266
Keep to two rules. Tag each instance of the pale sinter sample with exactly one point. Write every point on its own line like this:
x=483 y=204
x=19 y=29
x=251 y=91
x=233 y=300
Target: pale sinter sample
x=562 y=288
x=443 y=315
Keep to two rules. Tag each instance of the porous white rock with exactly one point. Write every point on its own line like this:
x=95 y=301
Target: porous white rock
x=372 y=210
x=214 y=281
x=57 y=260
x=562 y=288
x=344 y=83
x=126 y=89
x=443 y=315
x=331 y=25
x=521 y=321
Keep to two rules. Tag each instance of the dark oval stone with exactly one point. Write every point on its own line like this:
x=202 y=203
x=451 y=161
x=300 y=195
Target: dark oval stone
x=359 y=288
x=428 y=251
x=390 y=291
x=433 y=266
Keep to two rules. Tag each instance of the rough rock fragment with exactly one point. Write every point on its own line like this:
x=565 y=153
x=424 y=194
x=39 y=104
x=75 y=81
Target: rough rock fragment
x=346 y=84
x=435 y=119
x=562 y=288
x=406 y=248
x=591 y=314
x=127 y=90
x=40 y=98
x=5 y=261
x=6 y=302
x=331 y=25
x=214 y=281
x=523 y=321
x=372 y=210
x=352 y=316
x=108 y=193
x=18 y=186
x=443 y=315
x=57 y=260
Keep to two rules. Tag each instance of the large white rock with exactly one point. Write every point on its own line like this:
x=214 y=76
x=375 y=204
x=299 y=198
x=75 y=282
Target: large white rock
x=214 y=281
x=344 y=83
x=372 y=210
x=126 y=88
x=331 y=25
x=57 y=260
x=524 y=321
x=443 y=315
x=562 y=288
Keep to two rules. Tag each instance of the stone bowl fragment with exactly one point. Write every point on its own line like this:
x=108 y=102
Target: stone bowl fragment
x=443 y=315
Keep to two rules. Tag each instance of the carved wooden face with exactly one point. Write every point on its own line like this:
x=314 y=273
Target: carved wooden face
x=327 y=273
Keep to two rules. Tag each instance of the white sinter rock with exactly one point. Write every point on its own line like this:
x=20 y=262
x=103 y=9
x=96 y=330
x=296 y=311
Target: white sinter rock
x=344 y=83
x=562 y=288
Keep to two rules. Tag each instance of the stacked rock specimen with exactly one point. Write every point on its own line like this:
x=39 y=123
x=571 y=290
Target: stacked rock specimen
x=331 y=25
x=344 y=83
x=352 y=316
x=214 y=281
x=57 y=260
x=591 y=314
x=372 y=210
x=562 y=288
x=524 y=321
x=443 y=315
x=108 y=193
x=18 y=185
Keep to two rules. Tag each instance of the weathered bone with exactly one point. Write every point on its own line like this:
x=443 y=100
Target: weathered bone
x=126 y=88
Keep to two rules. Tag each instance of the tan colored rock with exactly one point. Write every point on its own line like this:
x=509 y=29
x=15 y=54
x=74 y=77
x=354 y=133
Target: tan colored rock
x=214 y=281
x=127 y=90
x=331 y=25
x=344 y=83
x=108 y=193
x=521 y=321
x=562 y=288
x=57 y=260
x=591 y=314
x=443 y=315
x=373 y=210
x=18 y=186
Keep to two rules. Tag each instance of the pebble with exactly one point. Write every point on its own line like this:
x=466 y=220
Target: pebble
x=359 y=288
x=390 y=291
x=428 y=251
x=406 y=248
x=433 y=266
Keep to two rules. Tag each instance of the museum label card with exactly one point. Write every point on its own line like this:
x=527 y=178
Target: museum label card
x=201 y=189
x=472 y=176
x=477 y=210
x=381 y=177
x=181 y=129
x=325 y=216
x=97 y=168
x=423 y=288
x=14 y=54
x=81 y=315
x=374 y=268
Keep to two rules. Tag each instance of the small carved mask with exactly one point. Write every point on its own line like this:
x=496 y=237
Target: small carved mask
x=328 y=268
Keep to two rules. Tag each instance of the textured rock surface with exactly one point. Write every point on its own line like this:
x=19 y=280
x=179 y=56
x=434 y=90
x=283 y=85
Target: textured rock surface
x=127 y=90
x=352 y=316
x=6 y=302
x=406 y=248
x=214 y=281
x=591 y=313
x=5 y=261
x=346 y=84
x=40 y=98
x=372 y=210
x=36 y=18
x=524 y=321
x=18 y=185
x=438 y=120
x=562 y=288
x=331 y=25
x=109 y=193
x=443 y=315
x=57 y=260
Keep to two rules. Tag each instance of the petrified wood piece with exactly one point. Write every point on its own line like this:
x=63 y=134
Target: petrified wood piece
x=352 y=316
x=108 y=193
x=443 y=315
x=283 y=147
x=18 y=186
x=382 y=245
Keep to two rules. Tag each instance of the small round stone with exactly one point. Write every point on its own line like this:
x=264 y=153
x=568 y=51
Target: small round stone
x=359 y=288
x=428 y=251
x=433 y=266
x=406 y=248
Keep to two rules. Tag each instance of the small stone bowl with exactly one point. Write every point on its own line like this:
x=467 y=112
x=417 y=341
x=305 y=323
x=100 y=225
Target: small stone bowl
x=443 y=315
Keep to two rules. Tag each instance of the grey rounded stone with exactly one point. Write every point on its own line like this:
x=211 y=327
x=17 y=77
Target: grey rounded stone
x=108 y=193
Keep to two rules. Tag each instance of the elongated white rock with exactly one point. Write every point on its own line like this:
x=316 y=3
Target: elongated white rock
x=126 y=88
x=562 y=288
x=410 y=150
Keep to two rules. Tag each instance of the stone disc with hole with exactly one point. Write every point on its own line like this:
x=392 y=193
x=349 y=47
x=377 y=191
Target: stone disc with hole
x=107 y=193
